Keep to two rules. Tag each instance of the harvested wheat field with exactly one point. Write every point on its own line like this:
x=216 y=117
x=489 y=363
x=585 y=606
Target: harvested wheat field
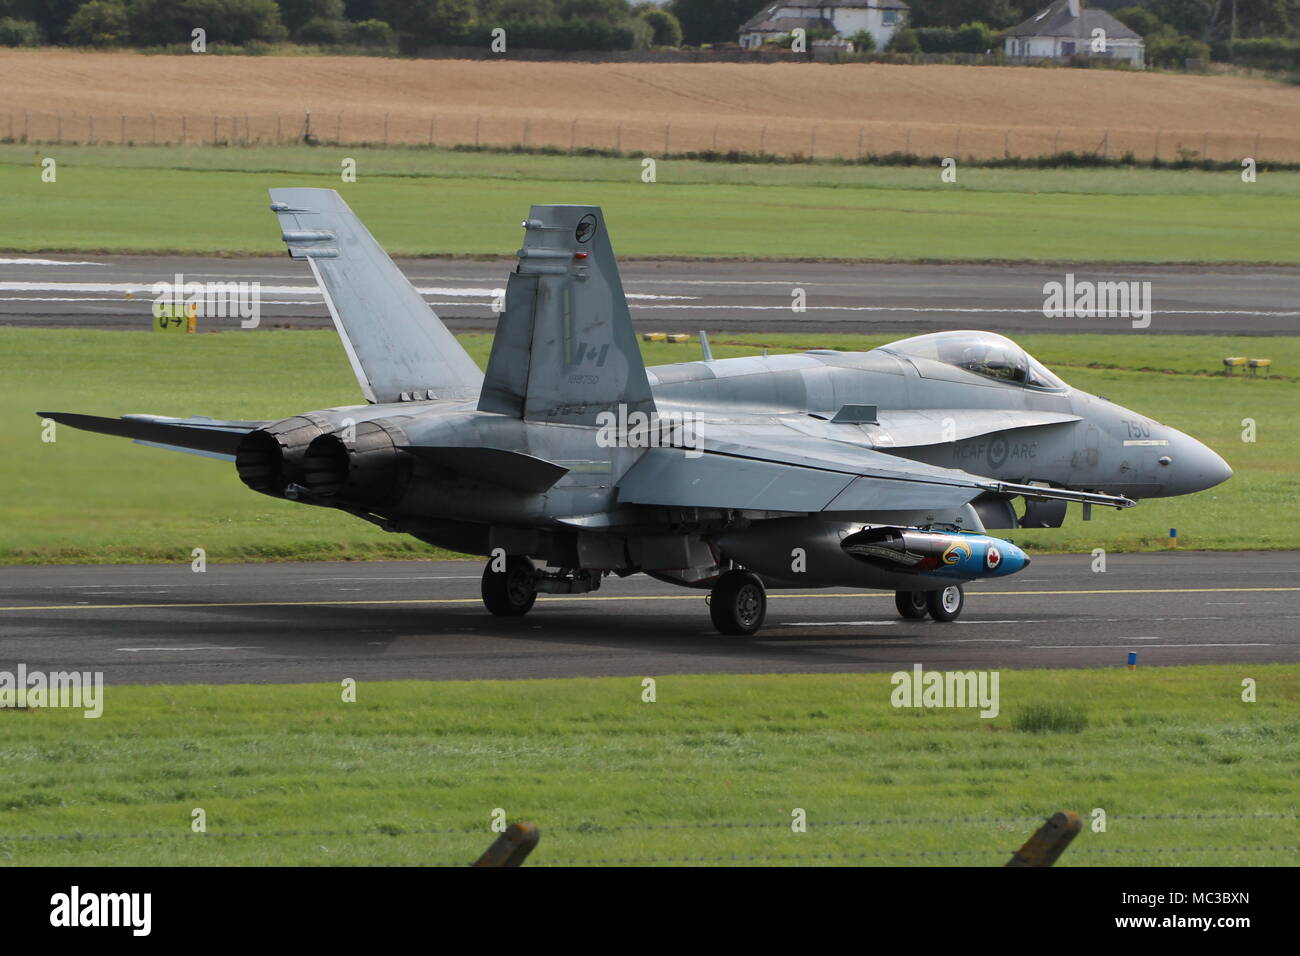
x=788 y=109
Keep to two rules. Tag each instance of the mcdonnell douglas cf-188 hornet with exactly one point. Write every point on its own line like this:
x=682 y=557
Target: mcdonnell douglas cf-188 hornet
x=569 y=460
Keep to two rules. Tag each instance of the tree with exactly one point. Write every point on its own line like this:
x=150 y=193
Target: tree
x=428 y=21
x=159 y=22
x=863 y=42
x=664 y=28
x=15 y=32
x=296 y=13
x=1169 y=49
x=903 y=41
x=605 y=11
x=1140 y=20
x=99 y=23
x=1189 y=17
x=713 y=21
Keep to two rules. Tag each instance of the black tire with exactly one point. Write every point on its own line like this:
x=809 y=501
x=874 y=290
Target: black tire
x=738 y=603
x=945 y=605
x=510 y=593
x=912 y=605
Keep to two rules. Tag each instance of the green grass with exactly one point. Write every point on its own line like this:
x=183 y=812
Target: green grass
x=97 y=499
x=427 y=202
x=712 y=769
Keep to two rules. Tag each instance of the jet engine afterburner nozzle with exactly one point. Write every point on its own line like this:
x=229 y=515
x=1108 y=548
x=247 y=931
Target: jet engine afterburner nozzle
x=365 y=467
x=270 y=459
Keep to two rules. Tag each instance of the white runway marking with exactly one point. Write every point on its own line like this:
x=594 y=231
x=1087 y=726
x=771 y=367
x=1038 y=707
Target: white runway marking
x=1120 y=646
x=47 y=262
x=242 y=647
x=839 y=624
x=146 y=288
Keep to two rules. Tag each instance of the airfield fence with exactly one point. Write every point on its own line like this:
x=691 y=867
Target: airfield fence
x=994 y=855
x=843 y=140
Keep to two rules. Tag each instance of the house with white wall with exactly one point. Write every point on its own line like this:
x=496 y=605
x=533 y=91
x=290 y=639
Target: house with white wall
x=1066 y=29
x=777 y=20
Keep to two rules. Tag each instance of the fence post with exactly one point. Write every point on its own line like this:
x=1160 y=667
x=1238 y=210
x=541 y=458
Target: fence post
x=214 y=129
x=183 y=134
x=58 y=126
x=27 y=124
x=248 y=131
x=1056 y=144
x=1256 y=156
x=1205 y=145
x=511 y=847
x=1156 y=154
x=907 y=142
x=477 y=122
x=956 y=148
x=762 y=141
x=1049 y=841
x=92 y=129
x=618 y=139
x=667 y=133
x=338 y=128
x=432 y=121
x=860 y=132
x=153 y=127
x=525 y=132
x=1006 y=144
x=715 y=137
x=573 y=134
x=279 y=130
x=386 y=116
x=812 y=148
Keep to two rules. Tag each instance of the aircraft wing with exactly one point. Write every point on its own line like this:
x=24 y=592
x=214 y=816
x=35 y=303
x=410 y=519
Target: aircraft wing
x=200 y=436
x=800 y=473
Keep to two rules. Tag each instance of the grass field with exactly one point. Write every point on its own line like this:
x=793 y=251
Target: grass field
x=93 y=498
x=710 y=772
x=427 y=202
x=939 y=109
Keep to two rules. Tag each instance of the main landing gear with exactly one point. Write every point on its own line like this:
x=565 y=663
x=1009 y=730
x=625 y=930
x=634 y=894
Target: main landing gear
x=738 y=603
x=944 y=605
x=512 y=592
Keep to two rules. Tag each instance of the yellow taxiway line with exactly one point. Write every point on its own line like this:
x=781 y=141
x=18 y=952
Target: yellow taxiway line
x=628 y=597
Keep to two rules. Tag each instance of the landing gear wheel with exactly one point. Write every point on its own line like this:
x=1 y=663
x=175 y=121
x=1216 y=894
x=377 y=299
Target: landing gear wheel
x=911 y=604
x=946 y=605
x=738 y=603
x=510 y=593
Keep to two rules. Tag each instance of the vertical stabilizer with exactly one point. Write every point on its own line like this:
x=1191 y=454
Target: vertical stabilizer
x=398 y=347
x=565 y=349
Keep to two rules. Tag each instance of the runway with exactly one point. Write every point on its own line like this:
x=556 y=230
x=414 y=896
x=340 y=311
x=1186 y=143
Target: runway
x=271 y=623
x=91 y=291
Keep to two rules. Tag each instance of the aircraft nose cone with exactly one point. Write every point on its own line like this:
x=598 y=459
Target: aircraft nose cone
x=1193 y=467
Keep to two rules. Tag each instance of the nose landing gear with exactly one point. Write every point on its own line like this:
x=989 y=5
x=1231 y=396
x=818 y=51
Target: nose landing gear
x=944 y=605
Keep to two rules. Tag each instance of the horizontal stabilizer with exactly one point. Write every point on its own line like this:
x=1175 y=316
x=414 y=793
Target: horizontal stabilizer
x=186 y=434
x=511 y=469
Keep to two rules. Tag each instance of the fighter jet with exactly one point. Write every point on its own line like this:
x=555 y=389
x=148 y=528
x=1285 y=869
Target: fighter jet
x=569 y=461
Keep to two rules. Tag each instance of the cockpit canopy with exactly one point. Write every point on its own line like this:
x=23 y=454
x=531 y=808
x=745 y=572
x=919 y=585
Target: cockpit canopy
x=983 y=353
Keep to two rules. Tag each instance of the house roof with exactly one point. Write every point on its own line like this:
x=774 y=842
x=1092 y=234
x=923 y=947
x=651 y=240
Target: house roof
x=1056 y=21
x=766 y=20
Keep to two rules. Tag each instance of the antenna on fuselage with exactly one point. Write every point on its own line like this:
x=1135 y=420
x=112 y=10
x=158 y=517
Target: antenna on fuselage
x=704 y=346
